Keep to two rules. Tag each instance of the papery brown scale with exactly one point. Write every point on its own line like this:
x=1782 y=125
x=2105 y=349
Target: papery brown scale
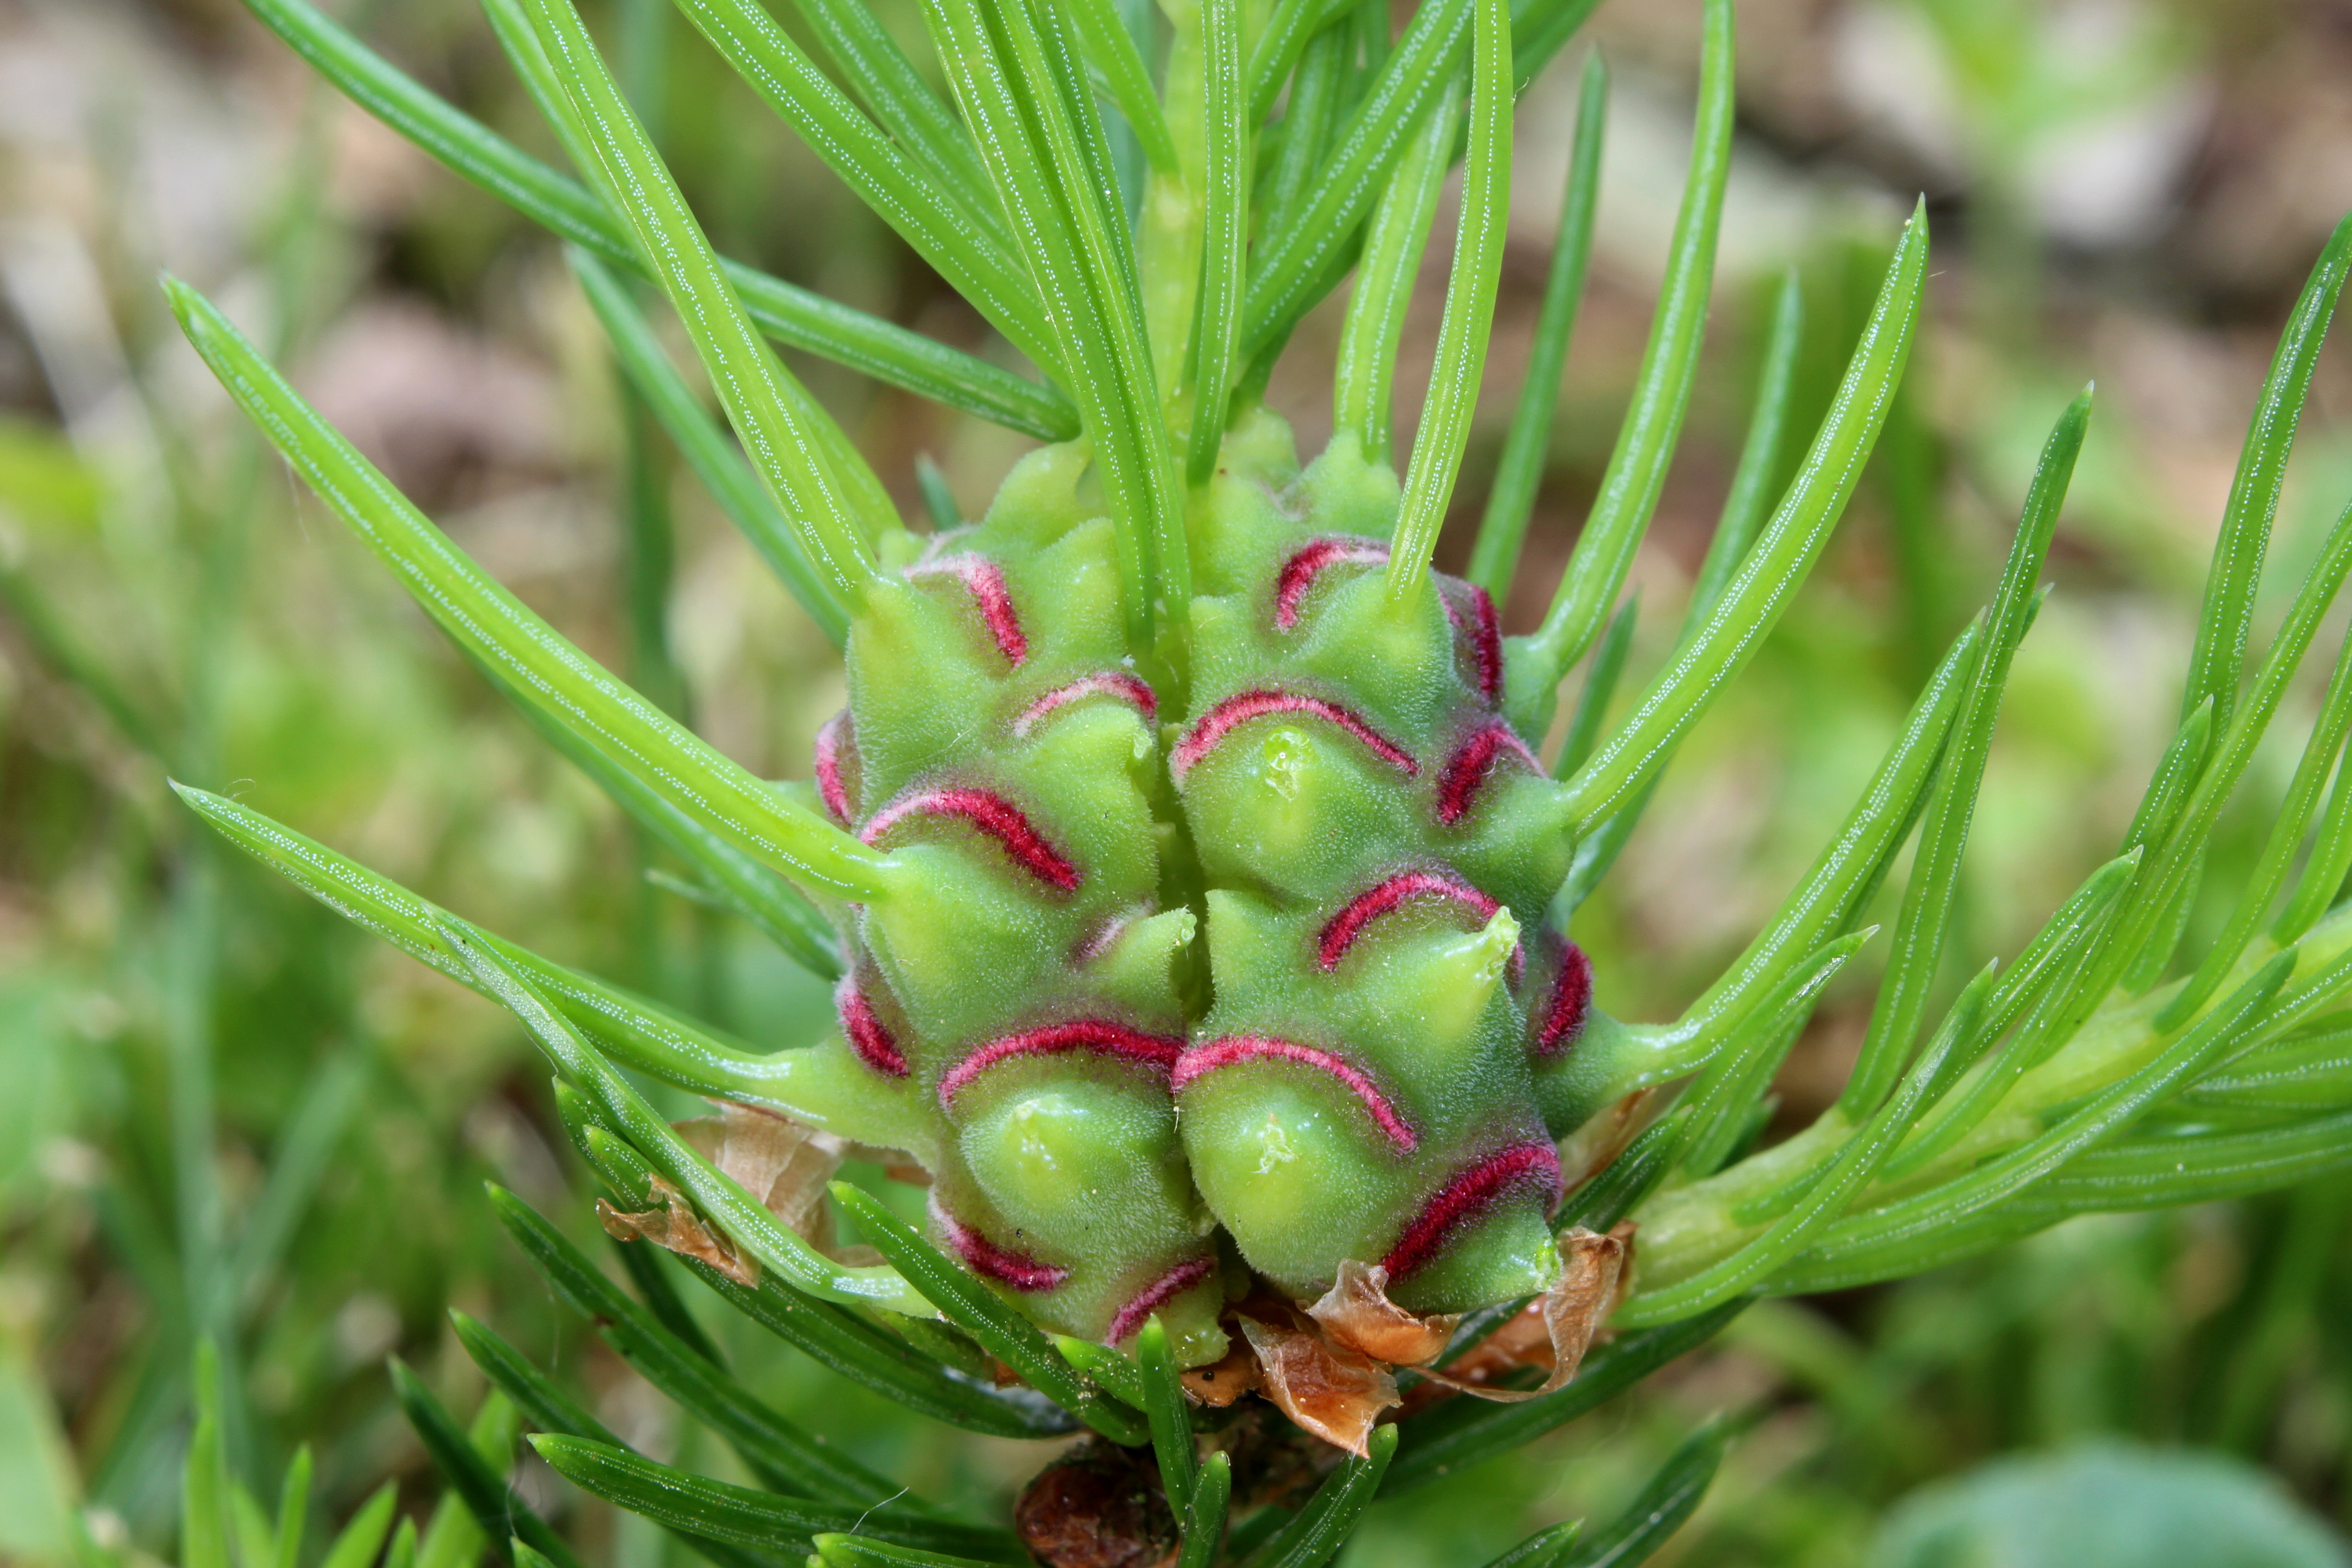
x=672 y=1224
x=782 y=1164
x=1331 y=1391
x=1357 y=1314
x=1222 y=1381
x=1555 y=1328
x=1594 y=1147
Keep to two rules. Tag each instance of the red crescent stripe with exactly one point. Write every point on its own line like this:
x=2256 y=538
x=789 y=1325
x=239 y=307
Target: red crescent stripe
x=1467 y=769
x=1479 y=622
x=1470 y=1195
x=1571 y=998
x=867 y=1035
x=982 y=579
x=1339 y=934
x=1108 y=683
x=1484 y=630
x=1156 y=1295
x=1298 y=572
x=1090 y=1035
x=830 y=742
x=1217 y=723
x=984 y=1258
x=993 y=815
x=1233 y=1048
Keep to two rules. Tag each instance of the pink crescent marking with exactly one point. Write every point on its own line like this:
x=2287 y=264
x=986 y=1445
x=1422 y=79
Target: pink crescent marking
x=1571 y=997
x=1339 y=934
x=982 y=579
x=1091 y=1035
x=1479 y=623
x=1470 y=1195
x=1114 y=683
x=1218 y=722
x=1298 y=572
x=1156 y=1295
x=830 y=742
x=1233 y=1048
x=867 y=1035
x=1466 y=771
x=984 y=1258
x=993 y=815
x=1484 y=630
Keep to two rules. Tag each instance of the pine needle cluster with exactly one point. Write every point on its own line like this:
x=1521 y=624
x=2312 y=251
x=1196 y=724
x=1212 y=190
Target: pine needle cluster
x=1196 y=884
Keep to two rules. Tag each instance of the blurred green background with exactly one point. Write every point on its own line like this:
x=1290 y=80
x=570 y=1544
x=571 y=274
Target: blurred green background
x=226 y=1115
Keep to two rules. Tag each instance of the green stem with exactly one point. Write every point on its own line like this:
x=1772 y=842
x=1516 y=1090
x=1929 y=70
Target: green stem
x=1495 y=559
x=1749 y=501
x=1637 y=475
x=2270 y=873
x=792 y=316
x=1689 y=1229
x=1469 y=319
x=2324 y=872
x=1930 y=896
x=1224 y=227
x=940 y=224
x=1289 y=266
x=705 y=445
x=1279 y=44
x=1110 y=50
x=2228 y=616
x=775 y=417
x=2146 y=933
x=491 y=624
x=1779 y=563
x=891 y=86
x=1735 y=531
x=1013 y=75
x=1361 y=382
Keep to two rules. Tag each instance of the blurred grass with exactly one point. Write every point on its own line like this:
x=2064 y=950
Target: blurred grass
x=223 y=1114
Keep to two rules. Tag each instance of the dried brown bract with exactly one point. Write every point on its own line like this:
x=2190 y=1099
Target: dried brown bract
x=672 y=1223
x=1333 y=1391
x=1594 y=1147
x=1555 y=1328
x=781 y=1162
x=1357 y=1314
x=1330 y=1367
x=1222 y=1381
